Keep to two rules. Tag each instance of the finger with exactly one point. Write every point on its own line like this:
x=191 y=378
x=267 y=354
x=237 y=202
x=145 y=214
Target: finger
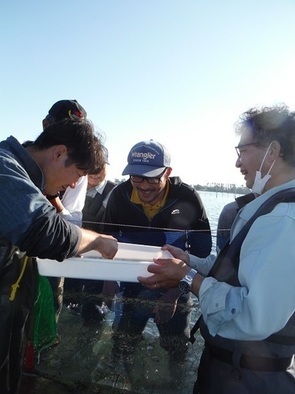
x=150 y=281
x=154 y=268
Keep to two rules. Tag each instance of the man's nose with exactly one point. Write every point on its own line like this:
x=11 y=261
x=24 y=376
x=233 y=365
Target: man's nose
x=238 y=162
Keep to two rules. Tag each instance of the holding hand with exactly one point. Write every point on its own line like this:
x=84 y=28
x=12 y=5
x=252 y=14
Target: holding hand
x=107 y=246
x=167 y=273
x=177 y=253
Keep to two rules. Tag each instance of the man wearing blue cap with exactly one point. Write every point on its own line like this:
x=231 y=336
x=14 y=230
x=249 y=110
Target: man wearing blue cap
x=153 y=208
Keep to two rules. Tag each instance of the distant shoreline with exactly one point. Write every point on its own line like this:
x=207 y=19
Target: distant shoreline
x=214 y=187
x=223 y=188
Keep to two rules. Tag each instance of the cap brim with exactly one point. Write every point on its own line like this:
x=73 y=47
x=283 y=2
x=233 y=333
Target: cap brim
x=140 y=170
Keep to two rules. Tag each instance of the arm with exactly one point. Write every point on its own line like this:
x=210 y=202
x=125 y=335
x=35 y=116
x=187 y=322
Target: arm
x=266 y=266
x=203 y=265
x=90 y=240
x=30 y=222
x=245 y=312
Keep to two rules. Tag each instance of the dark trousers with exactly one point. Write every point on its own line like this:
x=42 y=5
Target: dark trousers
x=15 y=321
x=217 y=377
x=133 y=310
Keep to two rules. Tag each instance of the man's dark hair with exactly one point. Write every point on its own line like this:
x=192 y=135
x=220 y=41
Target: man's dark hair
x=85 y=148
x=268 y=124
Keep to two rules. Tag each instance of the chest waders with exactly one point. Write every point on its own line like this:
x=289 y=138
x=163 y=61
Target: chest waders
x=18 y=275
x=225 y=269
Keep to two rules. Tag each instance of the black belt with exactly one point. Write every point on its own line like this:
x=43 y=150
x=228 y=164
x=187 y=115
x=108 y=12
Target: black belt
x=250 y=362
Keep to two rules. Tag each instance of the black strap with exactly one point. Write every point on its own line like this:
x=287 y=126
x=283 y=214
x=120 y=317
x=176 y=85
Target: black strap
x=225 y=268
x=257 y=363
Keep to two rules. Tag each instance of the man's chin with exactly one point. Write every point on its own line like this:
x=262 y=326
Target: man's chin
x=249 y=185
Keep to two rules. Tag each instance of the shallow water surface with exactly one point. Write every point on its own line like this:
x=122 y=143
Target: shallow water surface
x=82 y=363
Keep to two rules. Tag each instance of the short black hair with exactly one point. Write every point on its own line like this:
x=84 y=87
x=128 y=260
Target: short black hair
x=85 y=148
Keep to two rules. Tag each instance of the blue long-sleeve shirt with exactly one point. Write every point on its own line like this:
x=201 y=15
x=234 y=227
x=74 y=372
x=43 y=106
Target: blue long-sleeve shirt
x=265 y=301
x=28 y=220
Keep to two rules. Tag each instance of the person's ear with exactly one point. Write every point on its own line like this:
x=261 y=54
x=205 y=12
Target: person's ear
x=275 y=150
x=60 y=150
x=45 y=123
x=168 y=171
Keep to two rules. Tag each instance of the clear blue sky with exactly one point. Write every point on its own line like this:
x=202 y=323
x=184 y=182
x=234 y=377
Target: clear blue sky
x=177 y=71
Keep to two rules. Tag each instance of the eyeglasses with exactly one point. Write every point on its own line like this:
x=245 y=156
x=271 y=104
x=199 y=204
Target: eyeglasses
x=150 y=180
x=238 y=148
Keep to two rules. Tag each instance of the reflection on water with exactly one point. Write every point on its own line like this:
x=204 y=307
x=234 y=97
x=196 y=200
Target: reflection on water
x=82 y=362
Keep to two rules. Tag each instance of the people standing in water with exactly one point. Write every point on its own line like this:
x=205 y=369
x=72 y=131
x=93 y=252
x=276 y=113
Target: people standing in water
x=69 y=202
x=247 y=293
x=152 y=208
x=30 y=226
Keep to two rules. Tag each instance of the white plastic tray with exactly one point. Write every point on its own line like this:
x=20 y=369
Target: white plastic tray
x=130 y=262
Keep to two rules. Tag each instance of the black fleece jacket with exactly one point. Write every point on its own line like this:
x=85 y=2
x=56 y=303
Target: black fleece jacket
x=181 y=222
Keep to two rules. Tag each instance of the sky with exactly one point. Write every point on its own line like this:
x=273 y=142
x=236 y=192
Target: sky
x=180 y=72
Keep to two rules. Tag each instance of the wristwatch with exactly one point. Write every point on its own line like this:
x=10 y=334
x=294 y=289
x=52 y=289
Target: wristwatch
x=185 y=285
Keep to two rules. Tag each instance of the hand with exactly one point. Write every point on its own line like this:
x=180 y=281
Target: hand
x=177 y=253
x=107 y=246
x=167 y=273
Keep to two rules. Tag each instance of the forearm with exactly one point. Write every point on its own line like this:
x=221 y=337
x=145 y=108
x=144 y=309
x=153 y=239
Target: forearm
x=106 y=245
x=202 y=265
x=197 y=282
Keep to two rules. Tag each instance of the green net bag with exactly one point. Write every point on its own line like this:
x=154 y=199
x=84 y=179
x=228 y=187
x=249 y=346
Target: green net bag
x=44 y=331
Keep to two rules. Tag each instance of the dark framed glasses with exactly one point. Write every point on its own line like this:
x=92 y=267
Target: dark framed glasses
x=150 y=180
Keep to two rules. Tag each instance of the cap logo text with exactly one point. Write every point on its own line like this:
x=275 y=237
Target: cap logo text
x=143 y=155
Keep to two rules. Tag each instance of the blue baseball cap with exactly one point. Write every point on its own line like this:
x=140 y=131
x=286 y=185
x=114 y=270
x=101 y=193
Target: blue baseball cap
x=147 y=158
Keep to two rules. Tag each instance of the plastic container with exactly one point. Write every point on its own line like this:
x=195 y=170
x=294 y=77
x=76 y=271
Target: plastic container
x=130 y=262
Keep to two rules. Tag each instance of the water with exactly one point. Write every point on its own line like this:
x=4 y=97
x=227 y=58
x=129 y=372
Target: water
x=214 y=202
x=81 y=363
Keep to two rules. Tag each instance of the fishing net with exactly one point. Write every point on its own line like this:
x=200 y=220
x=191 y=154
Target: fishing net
x=83 y=361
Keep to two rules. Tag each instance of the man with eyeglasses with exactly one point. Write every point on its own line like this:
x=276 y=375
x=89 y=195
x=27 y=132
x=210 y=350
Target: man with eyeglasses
x=247 y=291
x=230 y=210
x=153 y=208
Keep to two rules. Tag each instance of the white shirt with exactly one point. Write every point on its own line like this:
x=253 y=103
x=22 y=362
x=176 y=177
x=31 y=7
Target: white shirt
x=73 y=201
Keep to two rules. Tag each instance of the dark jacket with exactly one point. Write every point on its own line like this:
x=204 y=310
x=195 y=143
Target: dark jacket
x=29 y=226
x=181 y=222
x=94 y=209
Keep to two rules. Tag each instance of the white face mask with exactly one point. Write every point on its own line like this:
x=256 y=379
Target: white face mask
x=259 y=183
